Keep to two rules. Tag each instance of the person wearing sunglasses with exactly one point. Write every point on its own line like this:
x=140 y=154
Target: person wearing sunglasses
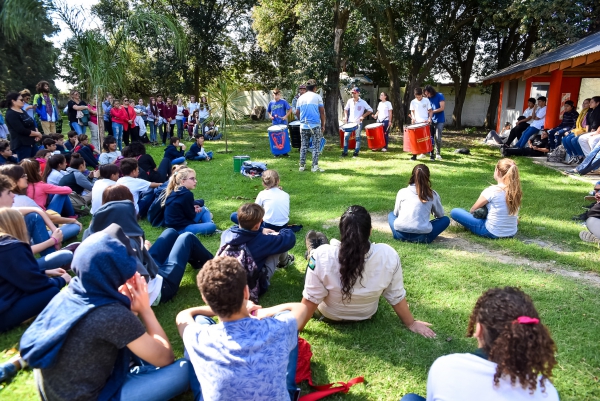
x=22 y=129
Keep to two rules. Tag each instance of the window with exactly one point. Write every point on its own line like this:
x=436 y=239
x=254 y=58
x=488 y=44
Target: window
x=513 y=87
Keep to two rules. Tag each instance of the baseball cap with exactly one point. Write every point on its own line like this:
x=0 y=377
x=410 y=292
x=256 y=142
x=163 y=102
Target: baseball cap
x=355 y=90
x=302 y=86
x=311 y=82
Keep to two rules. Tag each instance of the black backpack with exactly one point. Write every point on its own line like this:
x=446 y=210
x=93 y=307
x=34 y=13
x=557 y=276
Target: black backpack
x=256 y=276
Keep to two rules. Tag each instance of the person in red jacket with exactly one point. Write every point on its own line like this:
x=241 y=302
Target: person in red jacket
x=119 y=119
x=129 y=121
x=169 y=114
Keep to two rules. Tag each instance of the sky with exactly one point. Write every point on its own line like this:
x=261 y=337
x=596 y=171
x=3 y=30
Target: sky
x=65 y=34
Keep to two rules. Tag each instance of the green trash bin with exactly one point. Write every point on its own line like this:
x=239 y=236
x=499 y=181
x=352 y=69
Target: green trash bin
x=238 y=161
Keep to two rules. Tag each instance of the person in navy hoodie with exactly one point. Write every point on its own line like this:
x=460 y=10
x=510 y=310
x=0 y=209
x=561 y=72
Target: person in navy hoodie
x=6 y=155
x=268 y=248
x=197 y=151
x=176 y=156
x=182 y=213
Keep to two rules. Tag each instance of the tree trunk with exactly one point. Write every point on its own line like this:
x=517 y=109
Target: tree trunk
x=466 y=67
x=340 y=19
x=197 y=80
x=490 y=117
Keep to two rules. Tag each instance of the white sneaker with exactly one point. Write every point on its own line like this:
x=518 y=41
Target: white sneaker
x=438 y=157
x=317 y=169
x=301 y=168
x=421 y=156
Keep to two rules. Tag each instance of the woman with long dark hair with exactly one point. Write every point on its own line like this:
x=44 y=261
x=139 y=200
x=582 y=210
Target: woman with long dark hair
x=23 y=133
x=514 y=359
x=153 y=118
x=414 y=205
x=384 y=115
x=345 y=279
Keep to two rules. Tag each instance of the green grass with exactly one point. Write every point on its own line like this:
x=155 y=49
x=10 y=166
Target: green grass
x=442 y=284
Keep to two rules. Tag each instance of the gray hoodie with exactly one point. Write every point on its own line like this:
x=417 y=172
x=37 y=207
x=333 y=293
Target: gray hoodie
x=412 y=215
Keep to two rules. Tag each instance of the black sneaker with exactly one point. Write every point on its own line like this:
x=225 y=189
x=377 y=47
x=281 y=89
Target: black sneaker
x=432 y=157
x=414 y=157
x=355 y=154
x=312 y=243
x=344 y=154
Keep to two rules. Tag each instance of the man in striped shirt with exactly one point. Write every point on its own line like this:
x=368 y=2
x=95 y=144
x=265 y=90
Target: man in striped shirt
x=569 y=121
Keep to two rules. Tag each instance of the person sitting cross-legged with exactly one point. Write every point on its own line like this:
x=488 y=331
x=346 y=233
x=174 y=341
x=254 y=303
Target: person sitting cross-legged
x=514 y=359
x=344 y=280
x=251 y=354
x=197 y=151
x=414 y=205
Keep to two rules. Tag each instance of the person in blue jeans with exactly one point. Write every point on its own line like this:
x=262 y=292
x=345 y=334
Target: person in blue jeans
x=181 y=213
x=252 y=350
x=502 y=202
x=537 y=122
x=105 y=340
x=176 y=156
x=414 y=205
x=355 y=112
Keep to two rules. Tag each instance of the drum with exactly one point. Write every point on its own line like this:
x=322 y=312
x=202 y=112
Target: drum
x=375 y=136
x=417 y=139
x=238 y=161
x=294 y=128
x=279 y=140
x=350 y=127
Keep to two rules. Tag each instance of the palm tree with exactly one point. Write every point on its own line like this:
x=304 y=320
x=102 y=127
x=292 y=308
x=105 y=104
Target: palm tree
x=102 y=58
x=227 y=102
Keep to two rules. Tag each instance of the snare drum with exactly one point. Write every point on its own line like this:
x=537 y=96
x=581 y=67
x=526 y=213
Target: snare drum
x=375 y=137
x=417 y=139
x=279 y=140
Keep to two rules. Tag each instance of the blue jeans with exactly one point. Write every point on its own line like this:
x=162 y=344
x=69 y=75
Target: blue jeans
x=203 y=226
x=26 y=307
x=476 y=226
x=347 y=139
x=149 y=383
x=179 y=160
x=438 y=226
x=179 y=128
x=199 y=158
x=36 y=228
x=88 y=156
x=386 y=134
x=171 y=252
x=291 y=368
x=25 y=152
x=436 y=136
x=118 y=134
x=70 y=231
x=591 y=161
x=80 y=129
x=62 y=205
x=555 y=136
x=152 y=131
x=528 y=133
x=571 y=145
x=55 y=260
x=412 y=397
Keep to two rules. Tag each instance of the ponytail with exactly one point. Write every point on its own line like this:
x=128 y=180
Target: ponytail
x=355 y=229
x=509 y=172
x=175 y=182
x=420 y=179
x=52 y=164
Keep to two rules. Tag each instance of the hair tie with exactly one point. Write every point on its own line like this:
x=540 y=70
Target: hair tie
x=526 y=320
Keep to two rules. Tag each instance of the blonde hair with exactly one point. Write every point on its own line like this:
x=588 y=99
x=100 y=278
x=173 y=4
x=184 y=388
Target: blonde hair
x=509 y=172
x=12 y=223
x=270 y=179
x=176 y=181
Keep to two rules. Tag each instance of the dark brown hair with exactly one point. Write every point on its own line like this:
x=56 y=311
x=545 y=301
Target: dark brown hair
x=51 y=164
x=76 y=161
x=521 y=351
x=418 y=91
x=6 y=183
x=116 y=193
x=420 y=178
x=40 y=86
x=221 y=282
x=14 y=172
x=32 y=169
x=250 y=214
x=128 y=166
x=355 y=229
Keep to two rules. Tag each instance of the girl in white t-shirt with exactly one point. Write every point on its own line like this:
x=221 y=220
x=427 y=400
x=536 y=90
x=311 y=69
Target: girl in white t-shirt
x=502 y=202
x=384 y=116
x=344 y=280
x=514 y=359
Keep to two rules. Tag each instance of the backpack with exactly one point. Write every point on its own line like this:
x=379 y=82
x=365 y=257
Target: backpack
x=80 y=205
x=254 y=274
x=253 y=169
x=558 y=155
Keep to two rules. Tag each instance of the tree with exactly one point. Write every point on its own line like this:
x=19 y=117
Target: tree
x=227 y=102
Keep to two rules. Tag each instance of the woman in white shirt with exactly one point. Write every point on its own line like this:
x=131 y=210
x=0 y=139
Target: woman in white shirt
x=384 y=116
x=345 y=279
x=514 y=359
x=179 y=118
x=203 y=112
x=502 y=202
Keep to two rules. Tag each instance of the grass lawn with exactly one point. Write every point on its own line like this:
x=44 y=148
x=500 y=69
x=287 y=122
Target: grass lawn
x=442 y=282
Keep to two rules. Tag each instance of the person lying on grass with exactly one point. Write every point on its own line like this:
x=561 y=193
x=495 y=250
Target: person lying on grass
x=251 y=354
x=514 y=358
x=414 y=206
x=345 y=279
x=88 y=342
x=502 y=202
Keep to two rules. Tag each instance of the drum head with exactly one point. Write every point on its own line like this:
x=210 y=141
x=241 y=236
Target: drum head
x=349 y=127
x=294 y=123
x=277 y=128
x=374 y=125
x=418 y=125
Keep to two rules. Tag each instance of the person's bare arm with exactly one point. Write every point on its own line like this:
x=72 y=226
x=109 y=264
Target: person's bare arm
x=416 y=326
x=155 y=184
x=297 y=310
x=322 y=114
x=442 y=106
x=311 y=308
x=481 y=202
x=153 y=346
x=390 y=118
x=186 y=317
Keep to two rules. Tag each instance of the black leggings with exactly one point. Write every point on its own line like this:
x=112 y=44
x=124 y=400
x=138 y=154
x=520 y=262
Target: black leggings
x=516 y=133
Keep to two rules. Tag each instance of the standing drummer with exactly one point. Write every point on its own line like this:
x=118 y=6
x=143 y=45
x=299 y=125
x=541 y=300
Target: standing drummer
x=311 y=113
x=384 y=116
x=278 y=109
x=420 y=112
x=355 y=112
x=438 y=104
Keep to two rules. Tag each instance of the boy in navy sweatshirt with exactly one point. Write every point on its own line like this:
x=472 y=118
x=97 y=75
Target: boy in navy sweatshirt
x=6 y=155
x=197 y=151
x=268 y=248
x=172 y=153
